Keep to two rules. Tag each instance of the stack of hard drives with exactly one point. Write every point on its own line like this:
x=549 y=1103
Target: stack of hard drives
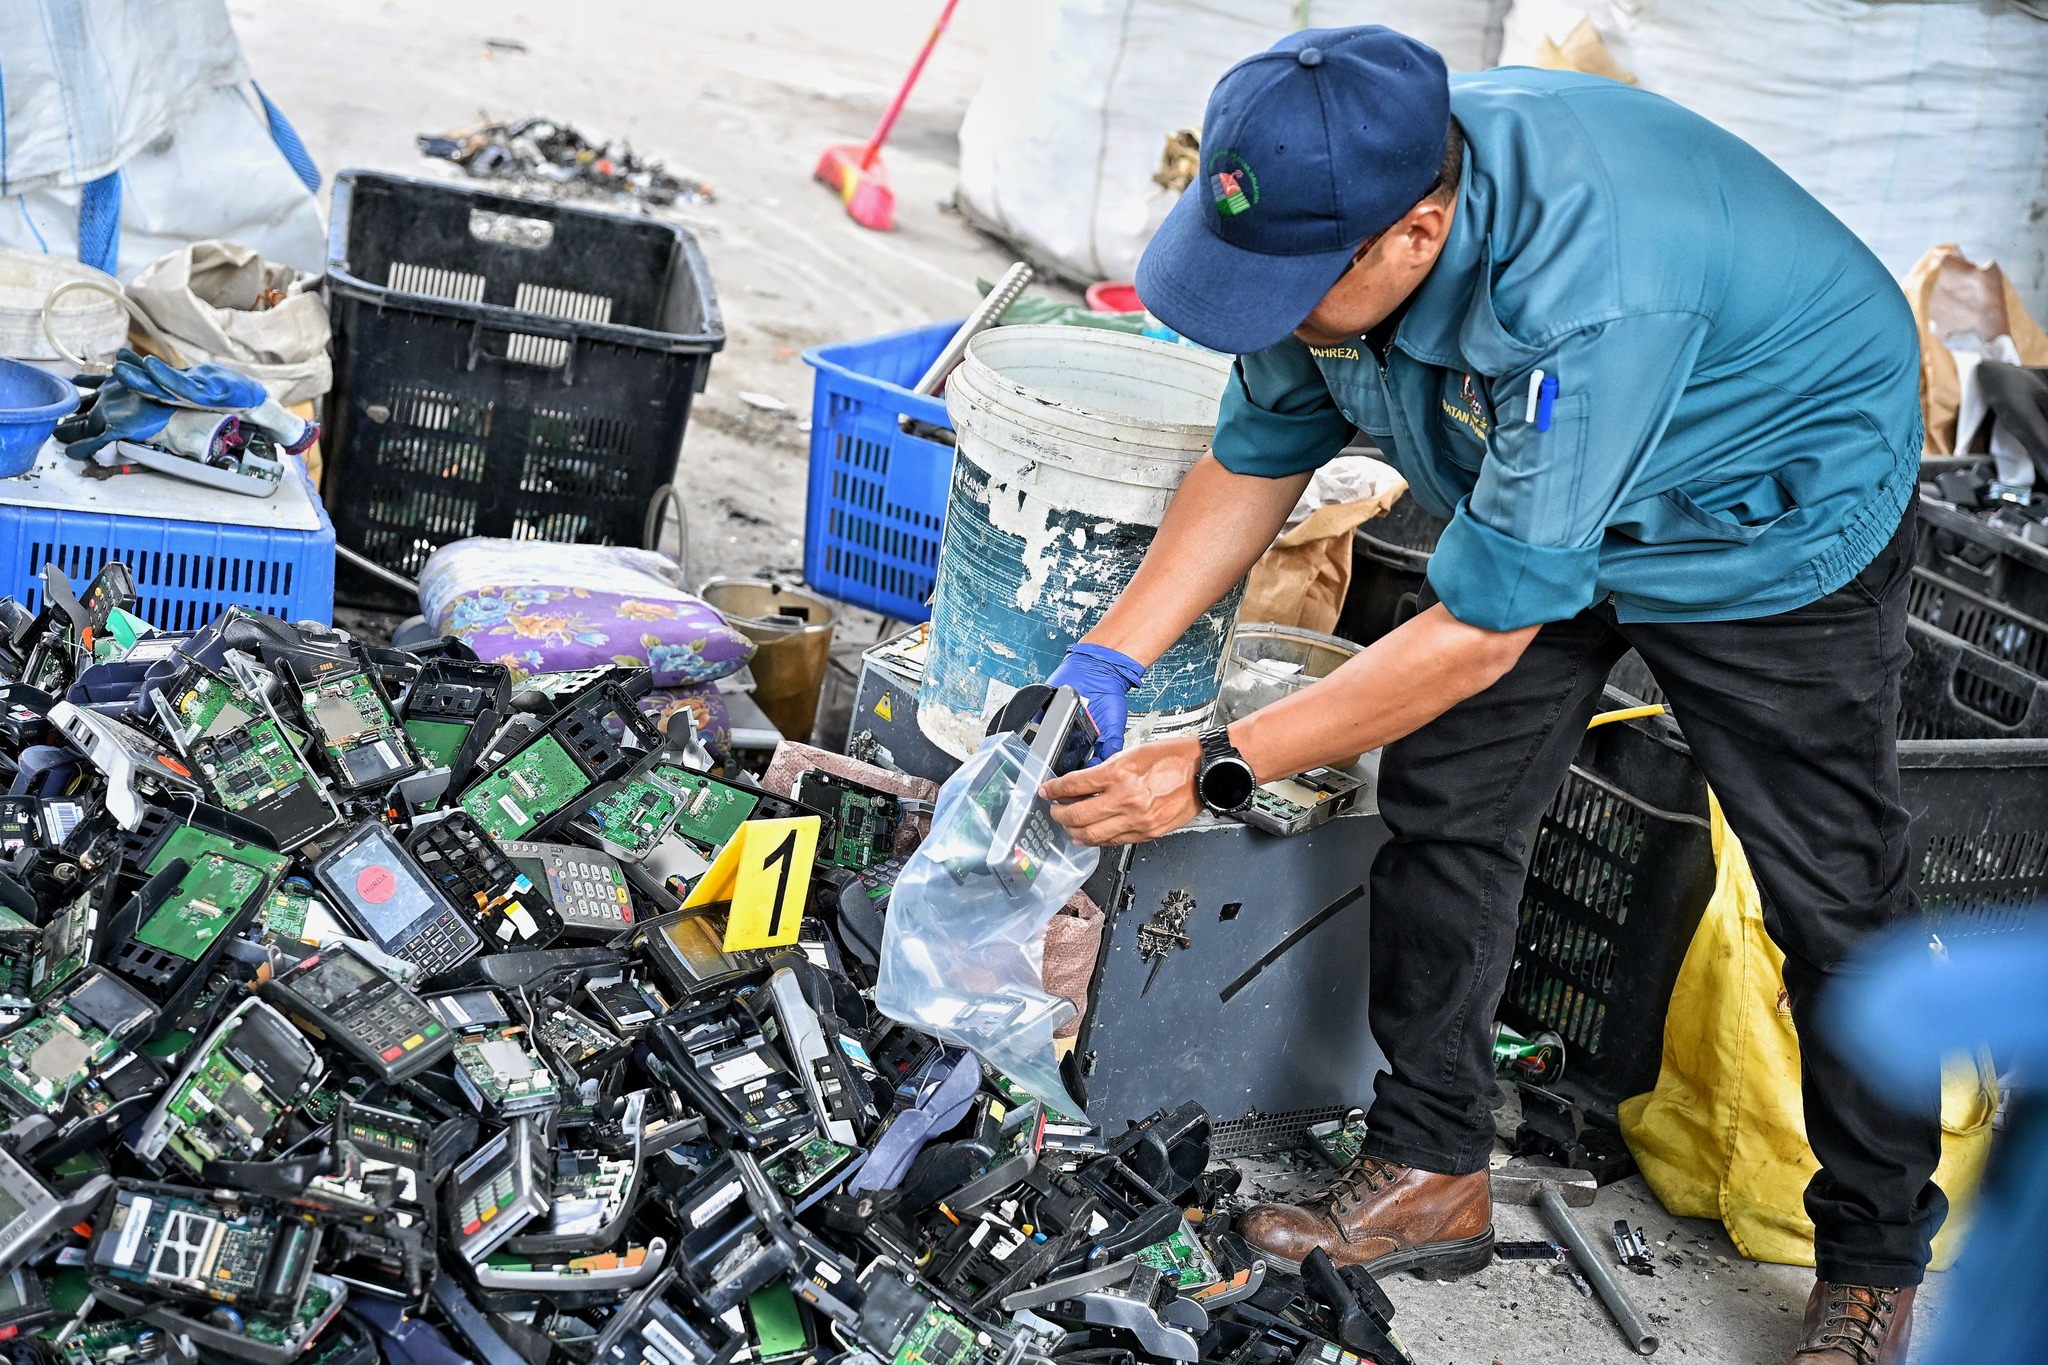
x=354 y=1006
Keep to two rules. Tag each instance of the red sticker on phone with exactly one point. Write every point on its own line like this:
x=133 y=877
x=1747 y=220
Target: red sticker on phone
x=376 y=884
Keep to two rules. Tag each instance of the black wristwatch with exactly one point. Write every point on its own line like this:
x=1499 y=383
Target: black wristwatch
x=1223 y=780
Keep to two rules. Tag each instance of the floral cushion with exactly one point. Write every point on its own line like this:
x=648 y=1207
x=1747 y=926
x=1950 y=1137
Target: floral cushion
x=540 y=607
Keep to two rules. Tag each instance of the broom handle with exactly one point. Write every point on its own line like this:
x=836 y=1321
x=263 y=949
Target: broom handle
x=874 y=147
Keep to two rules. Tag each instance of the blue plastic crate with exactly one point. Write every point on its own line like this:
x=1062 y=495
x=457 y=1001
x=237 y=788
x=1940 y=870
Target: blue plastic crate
x=877 y=498
x=186 y=572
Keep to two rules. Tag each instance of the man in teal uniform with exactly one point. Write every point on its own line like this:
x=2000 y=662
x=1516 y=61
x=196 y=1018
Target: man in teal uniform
x=1667 y=403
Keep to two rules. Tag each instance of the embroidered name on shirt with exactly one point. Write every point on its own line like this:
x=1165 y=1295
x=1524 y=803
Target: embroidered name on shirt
x=1334 y=352
x=1473 y=415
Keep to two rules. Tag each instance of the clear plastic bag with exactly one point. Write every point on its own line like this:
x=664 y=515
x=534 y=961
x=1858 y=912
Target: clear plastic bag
x=963 y=947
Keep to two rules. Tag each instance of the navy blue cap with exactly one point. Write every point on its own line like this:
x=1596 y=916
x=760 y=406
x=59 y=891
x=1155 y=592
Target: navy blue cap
x=1308 y=148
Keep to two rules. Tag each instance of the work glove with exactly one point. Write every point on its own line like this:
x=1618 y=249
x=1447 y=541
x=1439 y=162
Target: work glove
x=117 y=413
x=214 y=388
x=1104 y=678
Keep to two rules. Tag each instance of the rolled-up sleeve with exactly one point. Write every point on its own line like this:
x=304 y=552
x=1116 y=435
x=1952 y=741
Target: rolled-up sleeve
x=1277 y=416
x=1524 y=548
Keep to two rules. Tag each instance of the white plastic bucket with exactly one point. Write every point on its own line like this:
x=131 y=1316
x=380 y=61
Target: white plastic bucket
x=1071 y=443
x=91 y=323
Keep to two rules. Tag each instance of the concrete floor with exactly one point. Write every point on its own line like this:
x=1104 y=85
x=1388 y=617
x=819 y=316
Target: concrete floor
x=1715 y=1307
x=744 y=97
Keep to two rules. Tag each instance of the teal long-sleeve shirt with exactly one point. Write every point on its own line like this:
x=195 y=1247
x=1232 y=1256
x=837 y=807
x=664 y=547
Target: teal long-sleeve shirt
x=1736 y=424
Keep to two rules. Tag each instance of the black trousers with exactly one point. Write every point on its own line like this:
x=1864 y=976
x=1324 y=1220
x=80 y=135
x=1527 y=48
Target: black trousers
x=1793 y=718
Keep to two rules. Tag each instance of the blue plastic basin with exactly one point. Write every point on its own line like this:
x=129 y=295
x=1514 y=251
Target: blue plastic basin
x=31 y=402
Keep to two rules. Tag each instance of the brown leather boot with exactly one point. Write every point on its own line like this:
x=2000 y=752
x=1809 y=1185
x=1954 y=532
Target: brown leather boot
x=1854 y=1324
x=1385 y=1218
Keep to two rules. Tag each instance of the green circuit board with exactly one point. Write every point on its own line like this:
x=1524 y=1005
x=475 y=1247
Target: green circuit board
x=501 y=1067
x=286 y=909
x=48 y=1057
x=208 y=898
x=186 y=1246
x=589 y=1190
x=365 y=746
x=191 y=843
x=1181 y=1258
x=796 y=1171
x=437 y=741
x=225 y=1109
x=711 y=812
x=525 y=789
x=574 y=1036
x=863 y=827
x=937 y=1338
x=279 y=1332
x=115 y=1341
x=245 y=756
x=66 y=948
x=633 y=819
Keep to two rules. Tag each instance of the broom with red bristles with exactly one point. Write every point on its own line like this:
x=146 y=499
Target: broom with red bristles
x=855 y=169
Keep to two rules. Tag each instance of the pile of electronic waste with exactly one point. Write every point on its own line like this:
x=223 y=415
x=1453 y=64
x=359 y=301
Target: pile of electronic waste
x=361 y=1005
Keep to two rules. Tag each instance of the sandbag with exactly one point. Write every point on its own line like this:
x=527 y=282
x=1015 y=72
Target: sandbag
x=1723 y=1135
x=203 y=299
x=1059 y=146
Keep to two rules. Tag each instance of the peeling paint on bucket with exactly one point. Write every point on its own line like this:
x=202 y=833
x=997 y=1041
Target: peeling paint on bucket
x=1071 y=443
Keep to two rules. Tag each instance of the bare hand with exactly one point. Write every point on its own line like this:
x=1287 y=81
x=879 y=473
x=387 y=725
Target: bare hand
x=1140 y=794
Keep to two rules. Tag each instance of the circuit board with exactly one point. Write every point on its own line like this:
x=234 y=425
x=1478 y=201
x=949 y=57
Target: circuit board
x=590 y=1190
x=249 y=1075
x=499 y=1071
x=712 y=812
x=185 y=1246
x=437 y=741
x=863 y=828
x=66 y=947
x=1181 y=1258
x=1340 y=1140
x=20 y=955
x=190 y=842
x=633 y=819
x=285 y=910
x=213 y=891
x=796 y=1171
x=247 y=759
x=48 y=1057
x=574 y=1037
x=365 y=746
x=526 y=789
x=115 y=1341
x=937 y=1338
x=282 y=1332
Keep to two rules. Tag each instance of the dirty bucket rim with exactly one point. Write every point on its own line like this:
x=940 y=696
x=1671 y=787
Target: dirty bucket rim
x=980 y=372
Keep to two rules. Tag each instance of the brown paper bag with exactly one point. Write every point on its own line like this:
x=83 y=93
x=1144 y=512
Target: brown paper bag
x=1949 y=294
x=1302 y=580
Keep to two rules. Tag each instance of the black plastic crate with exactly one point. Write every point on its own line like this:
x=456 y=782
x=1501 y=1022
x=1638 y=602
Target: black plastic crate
x=1389 y=562
x=2000 y=631
x=1956 y=546
x=1621 y=869
x=504 y=367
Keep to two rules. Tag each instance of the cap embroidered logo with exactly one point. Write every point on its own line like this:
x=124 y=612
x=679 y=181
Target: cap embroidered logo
x=1232 y=184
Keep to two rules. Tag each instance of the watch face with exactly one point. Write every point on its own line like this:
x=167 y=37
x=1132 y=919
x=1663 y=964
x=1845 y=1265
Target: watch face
x=1226 y=784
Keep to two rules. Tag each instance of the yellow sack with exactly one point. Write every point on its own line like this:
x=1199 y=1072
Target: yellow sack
x=1723 y=1136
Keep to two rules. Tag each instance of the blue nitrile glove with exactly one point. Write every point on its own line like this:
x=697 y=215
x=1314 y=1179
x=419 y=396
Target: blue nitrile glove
x=1104 y=678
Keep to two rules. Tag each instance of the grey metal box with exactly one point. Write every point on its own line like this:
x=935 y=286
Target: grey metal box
x=1262 y=1016
x=885 y=714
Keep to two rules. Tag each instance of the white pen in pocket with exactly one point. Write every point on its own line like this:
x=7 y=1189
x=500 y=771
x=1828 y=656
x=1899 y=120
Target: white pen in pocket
x=1535 y=390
